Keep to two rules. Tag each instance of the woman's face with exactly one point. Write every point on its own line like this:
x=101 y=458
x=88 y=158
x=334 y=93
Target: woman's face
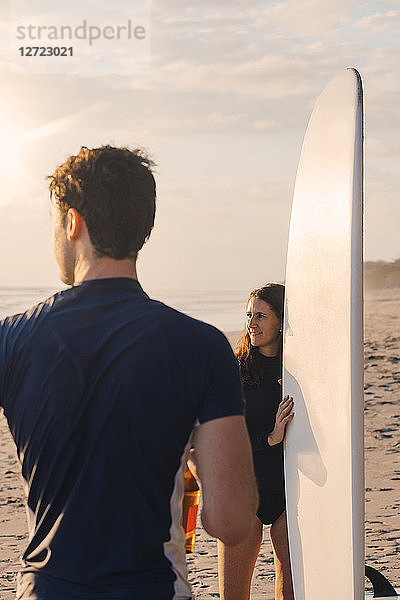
x=263 y=327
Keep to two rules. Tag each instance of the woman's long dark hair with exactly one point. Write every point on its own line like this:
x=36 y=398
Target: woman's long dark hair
x=250 y=362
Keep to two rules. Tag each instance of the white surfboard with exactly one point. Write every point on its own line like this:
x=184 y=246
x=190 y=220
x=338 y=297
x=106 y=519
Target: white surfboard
x=323 y=351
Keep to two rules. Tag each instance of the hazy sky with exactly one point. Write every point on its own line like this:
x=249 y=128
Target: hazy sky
x=220 y=94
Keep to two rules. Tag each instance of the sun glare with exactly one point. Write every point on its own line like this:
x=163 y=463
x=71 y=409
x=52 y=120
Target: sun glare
x=8 y=147
x=8 y=161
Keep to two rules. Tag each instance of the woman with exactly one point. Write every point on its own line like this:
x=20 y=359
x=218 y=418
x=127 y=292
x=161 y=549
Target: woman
x=259 y=353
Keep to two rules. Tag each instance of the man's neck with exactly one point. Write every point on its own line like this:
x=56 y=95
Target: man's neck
x=105 y=268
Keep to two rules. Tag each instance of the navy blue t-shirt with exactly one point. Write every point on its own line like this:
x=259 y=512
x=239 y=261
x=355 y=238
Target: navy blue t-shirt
x=102 y=387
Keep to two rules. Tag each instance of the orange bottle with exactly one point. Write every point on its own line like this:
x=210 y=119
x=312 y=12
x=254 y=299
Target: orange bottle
x=190 y=507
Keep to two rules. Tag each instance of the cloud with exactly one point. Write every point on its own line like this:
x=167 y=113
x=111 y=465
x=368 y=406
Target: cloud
x=309 y=18
x=61 y=124
x=268 y=76
x=379 y=23
x=378 y=148
x=382 y=71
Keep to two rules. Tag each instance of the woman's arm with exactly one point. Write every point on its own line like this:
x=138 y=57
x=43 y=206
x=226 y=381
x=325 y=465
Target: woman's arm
x=259 y=441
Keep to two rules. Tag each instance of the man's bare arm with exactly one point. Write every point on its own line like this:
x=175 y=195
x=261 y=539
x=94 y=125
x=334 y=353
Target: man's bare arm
x=224 y=465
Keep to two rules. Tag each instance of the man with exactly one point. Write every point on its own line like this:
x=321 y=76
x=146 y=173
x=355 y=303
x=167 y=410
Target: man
x=102 y=388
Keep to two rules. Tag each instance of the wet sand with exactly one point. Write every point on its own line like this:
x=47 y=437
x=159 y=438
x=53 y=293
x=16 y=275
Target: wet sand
x=382 y=454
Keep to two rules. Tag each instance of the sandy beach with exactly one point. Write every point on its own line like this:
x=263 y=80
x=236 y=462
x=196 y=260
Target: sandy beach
x=382 y=456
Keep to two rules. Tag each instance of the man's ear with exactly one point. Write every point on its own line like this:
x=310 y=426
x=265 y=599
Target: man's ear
x=74 y=224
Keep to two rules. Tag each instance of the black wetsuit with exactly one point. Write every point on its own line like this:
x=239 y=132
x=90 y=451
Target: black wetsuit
x=261 y=406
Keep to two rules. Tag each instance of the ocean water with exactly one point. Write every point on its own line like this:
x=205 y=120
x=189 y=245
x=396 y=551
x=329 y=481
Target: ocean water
x=224 y=309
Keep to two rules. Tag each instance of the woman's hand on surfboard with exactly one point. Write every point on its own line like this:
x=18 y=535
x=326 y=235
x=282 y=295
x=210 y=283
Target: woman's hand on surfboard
x=283 y=417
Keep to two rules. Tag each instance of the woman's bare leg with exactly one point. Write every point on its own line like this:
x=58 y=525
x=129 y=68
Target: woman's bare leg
x=236 y=565
x=283 y=572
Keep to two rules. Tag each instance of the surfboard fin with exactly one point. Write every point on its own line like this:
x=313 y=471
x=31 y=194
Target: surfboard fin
x=382 y=587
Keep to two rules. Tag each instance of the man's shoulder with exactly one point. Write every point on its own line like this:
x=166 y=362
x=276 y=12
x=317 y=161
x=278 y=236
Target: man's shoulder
x=19 y=329
x=31 y=314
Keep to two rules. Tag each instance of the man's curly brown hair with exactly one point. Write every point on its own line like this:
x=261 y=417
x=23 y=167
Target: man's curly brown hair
x=114 y=190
